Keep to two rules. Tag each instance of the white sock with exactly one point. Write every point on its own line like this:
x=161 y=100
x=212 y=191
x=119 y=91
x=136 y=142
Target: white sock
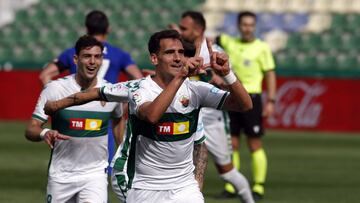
x=240 y=183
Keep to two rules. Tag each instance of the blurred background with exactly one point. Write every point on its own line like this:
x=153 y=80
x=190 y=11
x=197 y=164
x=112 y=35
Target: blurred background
x=313 y=137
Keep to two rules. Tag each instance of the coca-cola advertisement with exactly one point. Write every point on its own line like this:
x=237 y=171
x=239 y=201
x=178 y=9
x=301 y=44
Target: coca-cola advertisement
x=318 y=104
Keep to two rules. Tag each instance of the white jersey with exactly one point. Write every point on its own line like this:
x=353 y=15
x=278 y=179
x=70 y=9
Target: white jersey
x=85 y=153
x=160 y=156
x=210 y=116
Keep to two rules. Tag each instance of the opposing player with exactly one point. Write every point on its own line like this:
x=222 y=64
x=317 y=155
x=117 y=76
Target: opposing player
x=155 y=160
x=252 y=61
x=115 y=60
x=78 y=138
x=215 y=122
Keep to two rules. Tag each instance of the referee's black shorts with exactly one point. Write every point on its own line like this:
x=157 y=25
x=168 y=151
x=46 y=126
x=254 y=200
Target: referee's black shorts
x=250 y=122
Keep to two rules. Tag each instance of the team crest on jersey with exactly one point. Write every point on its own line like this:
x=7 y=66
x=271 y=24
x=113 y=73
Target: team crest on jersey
x=85 y=124
x=184 y=100
x=172 y=128
x=103 y=103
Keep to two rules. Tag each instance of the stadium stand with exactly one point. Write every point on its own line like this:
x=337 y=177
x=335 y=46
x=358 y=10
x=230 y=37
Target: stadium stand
x=309 y=38
x=40 y=30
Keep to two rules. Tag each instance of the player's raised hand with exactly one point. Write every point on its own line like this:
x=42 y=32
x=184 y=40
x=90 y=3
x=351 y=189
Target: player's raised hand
x=191 y=67
x=53 y=135
x=50 y=107
x=220 y=63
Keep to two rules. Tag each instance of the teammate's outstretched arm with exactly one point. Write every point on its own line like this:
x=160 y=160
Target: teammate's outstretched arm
x=153 y=111
x=112 y=93
x=239 y=99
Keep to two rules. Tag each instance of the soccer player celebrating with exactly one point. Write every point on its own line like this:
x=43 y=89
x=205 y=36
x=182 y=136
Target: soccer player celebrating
x=115 y=60
x=78 y=138
x=192 y=28
x=155 y=161
x=252 y=60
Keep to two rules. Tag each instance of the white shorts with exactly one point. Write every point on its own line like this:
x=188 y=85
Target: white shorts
x=218 y=139
x=120 y=192
x=93 y=189
x=186 y=194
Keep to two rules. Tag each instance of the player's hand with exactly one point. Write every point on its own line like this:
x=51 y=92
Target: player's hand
x=53 y=135
x=50 y=107
x=174 y=26
x=192 y=66
x=269 y=109
x=220 y=63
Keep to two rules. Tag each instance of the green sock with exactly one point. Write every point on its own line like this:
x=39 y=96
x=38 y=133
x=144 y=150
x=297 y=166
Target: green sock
x=259 y=169
x=236 y=163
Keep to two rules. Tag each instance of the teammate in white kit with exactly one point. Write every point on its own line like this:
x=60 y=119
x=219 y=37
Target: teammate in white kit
x=216 y=123
x=155 y=160
x=78 y=138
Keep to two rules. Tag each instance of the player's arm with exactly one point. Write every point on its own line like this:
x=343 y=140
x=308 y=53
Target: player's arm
x=238 y=99
x=50 y=71
x=153 y=111
x=270 y=79
x=133 y=71
x=35 y=132
x=72 y=100
x=112 y=93
x=200 y=161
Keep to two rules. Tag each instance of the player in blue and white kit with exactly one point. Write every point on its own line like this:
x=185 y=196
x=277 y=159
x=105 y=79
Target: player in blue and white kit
x=115 y=60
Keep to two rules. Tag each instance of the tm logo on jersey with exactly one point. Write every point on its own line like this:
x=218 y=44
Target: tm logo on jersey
x=171 y=128
x=85 y=124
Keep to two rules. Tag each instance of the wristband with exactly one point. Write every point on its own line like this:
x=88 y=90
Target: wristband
x=43 y=132
x=230 y=78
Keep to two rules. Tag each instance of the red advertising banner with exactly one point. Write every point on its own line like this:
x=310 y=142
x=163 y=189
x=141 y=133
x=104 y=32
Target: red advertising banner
x=319 y=104
x=302 y=103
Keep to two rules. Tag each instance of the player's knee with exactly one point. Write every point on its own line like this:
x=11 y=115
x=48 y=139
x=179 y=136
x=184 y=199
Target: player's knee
x=254 y=144
x=224 y=168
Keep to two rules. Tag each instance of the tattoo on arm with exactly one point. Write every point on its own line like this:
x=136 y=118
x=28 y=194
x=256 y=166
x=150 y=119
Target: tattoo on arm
x=200 y=162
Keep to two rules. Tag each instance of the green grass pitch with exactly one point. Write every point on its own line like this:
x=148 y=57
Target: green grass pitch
x=304 y=167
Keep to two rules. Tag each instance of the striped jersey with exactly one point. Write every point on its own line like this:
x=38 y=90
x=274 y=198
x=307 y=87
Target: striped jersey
x=85 y=153
x=160 y=156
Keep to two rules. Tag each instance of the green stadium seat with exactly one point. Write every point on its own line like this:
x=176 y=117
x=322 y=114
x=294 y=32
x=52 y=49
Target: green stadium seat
x=305 y=61
x=350 y=42
x=353 y=21
x=339 y=21
x=330 y=41
x=310 y=42
x=294 y=41
x=325 y=61
x=346 y=62
x=285 y=60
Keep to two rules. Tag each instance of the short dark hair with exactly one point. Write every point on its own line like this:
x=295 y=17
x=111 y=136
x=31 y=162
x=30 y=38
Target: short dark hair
x=87 y=41
x=245 y=14
x=154 y=41
x=189 y=49
x=96 y=22
x=197 y=17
